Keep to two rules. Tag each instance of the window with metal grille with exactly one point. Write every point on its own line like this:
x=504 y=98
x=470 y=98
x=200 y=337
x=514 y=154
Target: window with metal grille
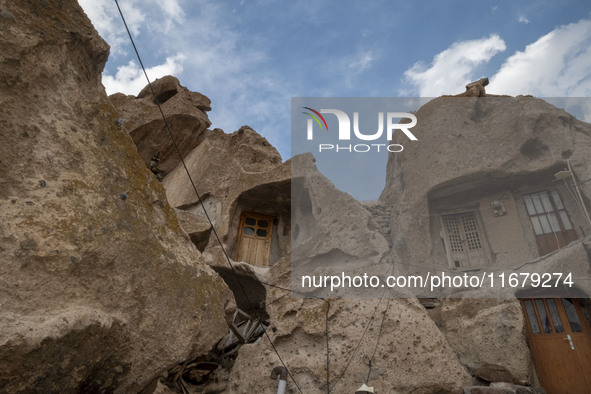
x=453 y=233
x=471 y=231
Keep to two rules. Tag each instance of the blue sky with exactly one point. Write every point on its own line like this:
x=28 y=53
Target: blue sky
x=251 y=57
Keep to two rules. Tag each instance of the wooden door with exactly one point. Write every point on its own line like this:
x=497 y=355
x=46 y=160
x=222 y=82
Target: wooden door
x=464 y=241
x=254 y=239
x=560 y=344
x=550 y=221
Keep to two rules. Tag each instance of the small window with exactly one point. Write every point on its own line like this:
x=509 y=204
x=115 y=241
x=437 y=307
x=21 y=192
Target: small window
x=543 y=316
x=571 y=312
x=261 y=232
x=549 y=220
x=537 y=226
x=263 y=223
x=248 y=230
x=250 y=222
x=557 y=200
x=565 y=220
x=531 y=316
x=554 y=315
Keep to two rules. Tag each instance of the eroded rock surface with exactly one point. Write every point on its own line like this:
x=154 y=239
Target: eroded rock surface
x=100 y=290
x=333 y=232
x=501 y=144
x=481 y=158
x=235 y=173
x=185 y=115
x=486 y=332
x=412 y=354
x=475 y=89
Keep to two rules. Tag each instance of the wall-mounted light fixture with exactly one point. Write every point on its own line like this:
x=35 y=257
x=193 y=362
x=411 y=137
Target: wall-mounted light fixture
x=498 y=208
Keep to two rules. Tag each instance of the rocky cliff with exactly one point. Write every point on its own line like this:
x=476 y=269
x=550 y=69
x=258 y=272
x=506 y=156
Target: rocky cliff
x=477 y=152
x=111 y=281
x=100 y=289
x=477 y=143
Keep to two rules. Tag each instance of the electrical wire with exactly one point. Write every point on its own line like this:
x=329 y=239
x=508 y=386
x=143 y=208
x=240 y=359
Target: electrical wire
x=371 y=319
x=337 y=380
x=208 y=217
x=378 y=339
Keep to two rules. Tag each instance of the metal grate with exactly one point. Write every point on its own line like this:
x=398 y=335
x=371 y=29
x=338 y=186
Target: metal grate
x=453 y=231
x=471 y=230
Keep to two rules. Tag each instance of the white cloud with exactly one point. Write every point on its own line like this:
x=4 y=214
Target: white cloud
x=174 y=14
x=172 y=8
x=523 y=19
x=558 y=64
x=362 y=61
x=105 y=18
x=163 y=16
x=130 y=78
x=453 y=68
x=214 y=61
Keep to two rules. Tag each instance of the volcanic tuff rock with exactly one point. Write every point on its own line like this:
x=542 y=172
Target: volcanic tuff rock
x=332 y=232
x=100 y=290
x=185 y=115
x=472 y=151
x=411 y=356
x=475 y=89
x=486 y=331
x=500 y=140
x=233 y=172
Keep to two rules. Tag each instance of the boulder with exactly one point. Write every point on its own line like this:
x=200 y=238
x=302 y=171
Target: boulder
x=411 y=354
x=101 y=291
x=185 y=113
x=486 y=332
x=481 y=155
x=475 y=89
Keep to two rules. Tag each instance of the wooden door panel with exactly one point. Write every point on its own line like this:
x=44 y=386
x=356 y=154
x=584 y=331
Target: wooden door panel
x=464 y=240
x=561 y=369
x=558 y=367
x=550 y=242
x=254 y=240
x=547 y=243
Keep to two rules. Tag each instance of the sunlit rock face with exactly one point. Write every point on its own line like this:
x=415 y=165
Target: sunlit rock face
x=100 y=290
